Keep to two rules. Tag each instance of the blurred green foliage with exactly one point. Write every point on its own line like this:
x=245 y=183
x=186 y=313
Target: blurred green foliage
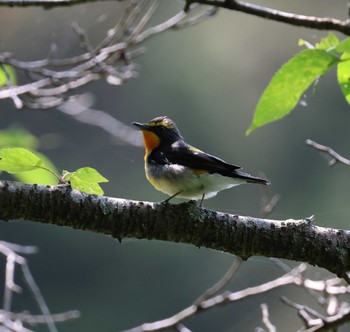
x=7 y=72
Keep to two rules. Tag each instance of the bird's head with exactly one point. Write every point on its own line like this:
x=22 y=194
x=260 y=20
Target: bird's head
x=160 y=130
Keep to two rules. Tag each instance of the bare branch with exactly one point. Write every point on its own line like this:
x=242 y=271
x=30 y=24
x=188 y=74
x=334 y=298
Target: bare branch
x=265 y=318
x=268 y=205
x=336 y=158
x=315 y=321
x=313 y=22
x=52 y=80
x=45 y=3
x=40 y=319
x=11 y=321
x=293 y=277
x=80 y=109
x=221 y=283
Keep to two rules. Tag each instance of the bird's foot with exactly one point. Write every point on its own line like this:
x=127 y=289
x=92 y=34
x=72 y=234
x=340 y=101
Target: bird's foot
x=166 y=201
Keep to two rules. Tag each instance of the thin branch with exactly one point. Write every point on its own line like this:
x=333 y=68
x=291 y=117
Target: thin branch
x=293 y=277
x=80 y=109
x=45 y=3
x=51 y=81
x=221 y=283
x=315 y=321
x=268 y=205
x=297 y=240
x=265 y=318
x=39 y=298
x=40 y=319
x=313 y=22
x=336 y=158
x=12 y=321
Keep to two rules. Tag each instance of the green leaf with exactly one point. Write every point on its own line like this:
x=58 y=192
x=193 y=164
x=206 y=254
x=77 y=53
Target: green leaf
x=344 y=46
x=40 y=176
x=90 y=174
x=16 y=160
x=343 y=74
x=328 y=43
x=7 y=71
x=288 y=85
x=86 y=179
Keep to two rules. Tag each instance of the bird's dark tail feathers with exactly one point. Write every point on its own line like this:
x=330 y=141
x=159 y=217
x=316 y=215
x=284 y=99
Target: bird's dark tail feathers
x=251 y=179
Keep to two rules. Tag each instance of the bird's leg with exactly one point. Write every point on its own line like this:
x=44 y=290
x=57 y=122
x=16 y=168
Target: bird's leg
x=166 y=201
x=200 y=204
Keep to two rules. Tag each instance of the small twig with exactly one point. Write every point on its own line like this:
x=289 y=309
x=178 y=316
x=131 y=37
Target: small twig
x=265 y=318
x=325 y=149
x=39 y=298
x=301 y=307
x=39 y=319
x=268 y=205
x=80 y=109
x=182 y=328
x=281 y=264
x=18 y=248
x=197 y=17
x=221 y=283
x=159 y=28
x=315 y=321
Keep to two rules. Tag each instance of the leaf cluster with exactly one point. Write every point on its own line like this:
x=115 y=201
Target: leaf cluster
x=21 y=160
x=292 y=80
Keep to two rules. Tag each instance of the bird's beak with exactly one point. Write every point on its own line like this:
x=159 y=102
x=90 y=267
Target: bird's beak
x=141 y=126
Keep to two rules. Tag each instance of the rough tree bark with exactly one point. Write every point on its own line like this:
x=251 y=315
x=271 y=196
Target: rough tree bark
x=297 y=240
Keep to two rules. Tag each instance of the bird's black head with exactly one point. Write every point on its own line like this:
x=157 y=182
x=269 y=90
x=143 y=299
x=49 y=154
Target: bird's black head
x=164 y=128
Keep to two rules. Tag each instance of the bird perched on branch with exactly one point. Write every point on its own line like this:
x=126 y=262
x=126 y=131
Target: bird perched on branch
x=181 y=170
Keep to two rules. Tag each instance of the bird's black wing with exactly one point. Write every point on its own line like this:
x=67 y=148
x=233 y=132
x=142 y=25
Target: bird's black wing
x=186 y=155
x=189 y=156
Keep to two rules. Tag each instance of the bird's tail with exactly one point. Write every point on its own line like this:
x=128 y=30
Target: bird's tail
x=251 y=179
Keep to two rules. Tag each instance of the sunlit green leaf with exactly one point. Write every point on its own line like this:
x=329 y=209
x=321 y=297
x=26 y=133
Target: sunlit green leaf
x=7 y=71
x=40 y=176
x=289 y=83
x=328 y=43
x=343 y=74
x=15 y=160
x=89 y=174
x=344 y=46
x=86 y=179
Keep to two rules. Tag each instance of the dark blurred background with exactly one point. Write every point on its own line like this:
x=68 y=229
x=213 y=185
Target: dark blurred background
x=208 y=79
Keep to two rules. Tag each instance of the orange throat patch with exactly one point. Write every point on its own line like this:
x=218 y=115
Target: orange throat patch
x=150 y=140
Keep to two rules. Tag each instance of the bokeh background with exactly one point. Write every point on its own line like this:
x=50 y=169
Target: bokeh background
x=208 y=78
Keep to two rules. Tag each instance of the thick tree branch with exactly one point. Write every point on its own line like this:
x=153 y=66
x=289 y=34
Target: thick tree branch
x=313 y=22
x=297 y=240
